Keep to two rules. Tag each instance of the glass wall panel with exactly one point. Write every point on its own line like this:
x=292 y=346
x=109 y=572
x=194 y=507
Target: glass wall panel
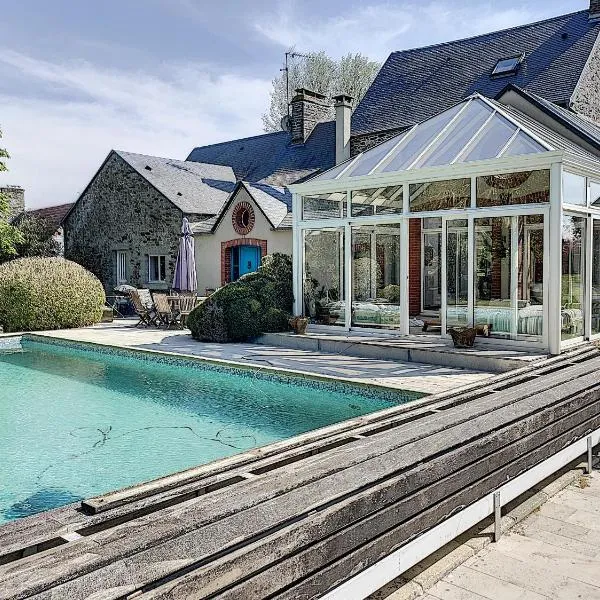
x=530 y=300
x=377 y=201
x=594 y=194
x=432 y=264
x=574 y=189
x=513 y=188
x=324 y=206
x=457 y=272
x=596 y=277
x=493 y=304
x=440 y=195
x=376 y=276
x=573 y=275
x=324 y=276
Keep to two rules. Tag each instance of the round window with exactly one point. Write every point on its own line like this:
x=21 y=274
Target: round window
x=243 y=218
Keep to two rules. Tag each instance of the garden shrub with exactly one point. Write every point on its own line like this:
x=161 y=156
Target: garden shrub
x=256 y=303
x=391 y=292
x=48 y=293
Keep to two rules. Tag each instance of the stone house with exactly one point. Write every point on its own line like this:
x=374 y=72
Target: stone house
x=16 y=199
x=127 y=217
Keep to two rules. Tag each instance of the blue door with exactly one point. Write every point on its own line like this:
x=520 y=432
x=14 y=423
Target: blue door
x=244 y=259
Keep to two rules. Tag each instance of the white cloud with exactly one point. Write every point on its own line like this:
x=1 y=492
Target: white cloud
x=57 y=145
x=375 y=30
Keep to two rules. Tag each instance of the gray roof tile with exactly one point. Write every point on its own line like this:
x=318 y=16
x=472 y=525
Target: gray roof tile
x=193 y=187
x=415 y=84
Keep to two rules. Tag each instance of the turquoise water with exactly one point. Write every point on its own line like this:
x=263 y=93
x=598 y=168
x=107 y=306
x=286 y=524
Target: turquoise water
x=76 y=423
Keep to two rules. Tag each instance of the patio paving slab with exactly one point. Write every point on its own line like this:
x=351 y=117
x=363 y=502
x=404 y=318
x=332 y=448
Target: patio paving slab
x=414 y=376
x=553 y=554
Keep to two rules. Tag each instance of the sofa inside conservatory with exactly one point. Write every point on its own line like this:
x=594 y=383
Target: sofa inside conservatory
x=482 y=217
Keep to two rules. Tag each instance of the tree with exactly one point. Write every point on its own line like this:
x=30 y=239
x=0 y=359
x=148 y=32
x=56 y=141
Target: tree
x=9 y=235
x=37 y=237
x=351 y=74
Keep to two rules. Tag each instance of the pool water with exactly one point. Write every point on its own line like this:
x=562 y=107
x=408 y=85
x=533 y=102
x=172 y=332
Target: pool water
x=75 y=422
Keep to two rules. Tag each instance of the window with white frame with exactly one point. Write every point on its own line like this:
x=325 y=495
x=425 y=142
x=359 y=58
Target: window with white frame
x=121 y=266
x=157 y=268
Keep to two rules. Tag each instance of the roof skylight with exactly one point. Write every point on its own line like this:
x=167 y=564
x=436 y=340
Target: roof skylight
x=507 y=66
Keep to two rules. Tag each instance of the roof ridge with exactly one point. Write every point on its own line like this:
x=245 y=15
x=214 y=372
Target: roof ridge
x=481 y=35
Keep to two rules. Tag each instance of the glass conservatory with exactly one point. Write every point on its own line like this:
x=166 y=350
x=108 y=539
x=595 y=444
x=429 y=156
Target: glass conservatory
x=479 y=216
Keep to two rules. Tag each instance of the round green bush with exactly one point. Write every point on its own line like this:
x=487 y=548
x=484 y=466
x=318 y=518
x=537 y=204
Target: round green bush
x=48 y=293
x=256 y=303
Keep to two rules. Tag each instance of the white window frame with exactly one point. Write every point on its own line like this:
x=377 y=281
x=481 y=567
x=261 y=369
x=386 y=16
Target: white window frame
x=163 y=274
x=121 y=266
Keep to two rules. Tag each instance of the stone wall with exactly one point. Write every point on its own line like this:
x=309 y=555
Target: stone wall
x=16 y=199
x=586 y=98
x=308 y=109
x=362 y=143
x=120 y=210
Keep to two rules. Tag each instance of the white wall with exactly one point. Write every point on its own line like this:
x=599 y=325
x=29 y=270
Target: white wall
x=208 y=246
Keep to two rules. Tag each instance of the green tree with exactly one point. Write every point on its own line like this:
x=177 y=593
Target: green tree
x=37 y=237
x=351 y=74
x=9 y=235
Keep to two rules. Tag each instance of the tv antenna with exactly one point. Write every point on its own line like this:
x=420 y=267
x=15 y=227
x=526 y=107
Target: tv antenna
x=290 y=54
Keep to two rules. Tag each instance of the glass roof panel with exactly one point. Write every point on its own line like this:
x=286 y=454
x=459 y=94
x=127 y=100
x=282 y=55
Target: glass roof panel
x=523 y=144
x=494 y=137
x=373 y=157
x=419 y=139
x=335 y=171
x=463 y=130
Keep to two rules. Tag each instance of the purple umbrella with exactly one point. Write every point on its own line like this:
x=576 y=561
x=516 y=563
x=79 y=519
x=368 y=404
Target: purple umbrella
x=185 y=267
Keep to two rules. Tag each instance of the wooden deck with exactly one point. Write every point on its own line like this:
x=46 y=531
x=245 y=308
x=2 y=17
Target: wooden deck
x=296 y=519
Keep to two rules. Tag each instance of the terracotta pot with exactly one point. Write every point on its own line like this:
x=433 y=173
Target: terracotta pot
x=299 y=325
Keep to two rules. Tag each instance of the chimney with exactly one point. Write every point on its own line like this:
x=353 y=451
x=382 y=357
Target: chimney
x=16 y=200
x=308 y=109
x=343 y=112
x=594 y=9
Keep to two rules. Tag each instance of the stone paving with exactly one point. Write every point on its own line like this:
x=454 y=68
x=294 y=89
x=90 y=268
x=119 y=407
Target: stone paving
x=553 y=554
x=426 y=378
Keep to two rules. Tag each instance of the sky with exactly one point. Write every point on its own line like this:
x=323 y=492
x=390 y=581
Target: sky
x=79 y=78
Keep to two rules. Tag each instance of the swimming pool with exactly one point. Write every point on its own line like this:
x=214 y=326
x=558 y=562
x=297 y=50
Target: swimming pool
x=78 y=420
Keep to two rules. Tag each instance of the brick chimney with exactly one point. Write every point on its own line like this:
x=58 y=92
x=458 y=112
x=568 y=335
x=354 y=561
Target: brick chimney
x=16 y=199
x=343 y=112
x=308 y=109
x=594 y=9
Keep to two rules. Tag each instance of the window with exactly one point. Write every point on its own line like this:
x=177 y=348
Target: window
x=573 y=275
x=326 y=206
x=324 y=276
x=507 y=66
x=527 y=187
x=574 y=189
x=121 y=266
x=377 y=201
x=440 y=195
x=594 y=194
x=157 y=268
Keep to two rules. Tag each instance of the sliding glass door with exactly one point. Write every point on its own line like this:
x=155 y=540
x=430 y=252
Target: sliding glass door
x=457 y=273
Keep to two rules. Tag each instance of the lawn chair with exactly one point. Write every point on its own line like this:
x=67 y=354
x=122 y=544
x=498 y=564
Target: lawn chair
x=144 y=308
x=186 y=306
x=164 y=311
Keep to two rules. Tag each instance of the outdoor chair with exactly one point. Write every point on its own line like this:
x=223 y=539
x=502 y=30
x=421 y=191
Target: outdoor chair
x=143 y=309
x=186 y=306
x=164 y=310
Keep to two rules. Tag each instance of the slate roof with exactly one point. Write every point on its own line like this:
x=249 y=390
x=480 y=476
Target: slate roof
x=275 y=203
x=413 y=85
x=271 y=158
x=205 y=189
x=53 y=215
x=193 y=187
x=583 y=127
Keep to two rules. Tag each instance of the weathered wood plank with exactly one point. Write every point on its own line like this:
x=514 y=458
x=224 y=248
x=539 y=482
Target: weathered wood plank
x=411 y=481
x=334 y=574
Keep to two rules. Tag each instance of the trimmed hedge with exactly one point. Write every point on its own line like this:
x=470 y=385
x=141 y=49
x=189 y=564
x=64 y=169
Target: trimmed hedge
x=256 y=303
x=48 y=293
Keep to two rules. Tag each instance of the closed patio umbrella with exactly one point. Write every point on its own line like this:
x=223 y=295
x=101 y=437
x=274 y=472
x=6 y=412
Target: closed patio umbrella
x=185 y=267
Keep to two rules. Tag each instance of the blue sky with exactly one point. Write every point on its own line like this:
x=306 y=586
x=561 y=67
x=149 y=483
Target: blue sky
x=162 y=76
